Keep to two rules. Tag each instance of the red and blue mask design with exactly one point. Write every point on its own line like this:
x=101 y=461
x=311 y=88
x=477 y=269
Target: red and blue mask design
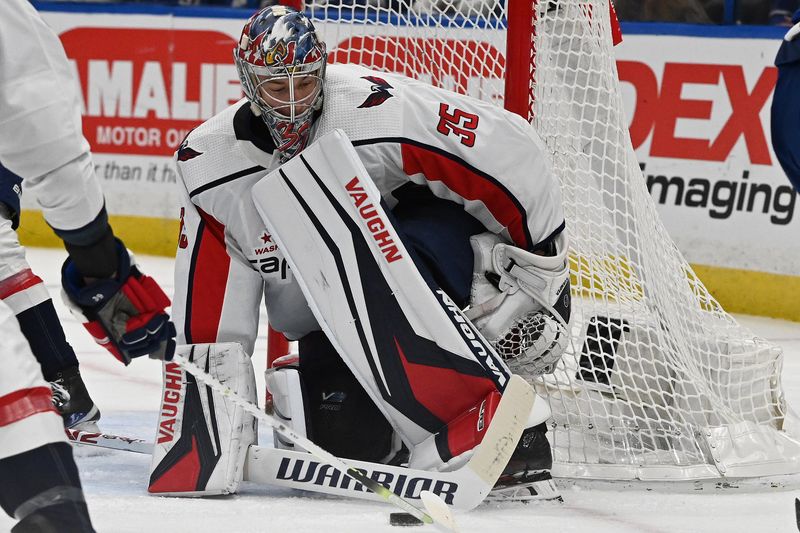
x=281 y=64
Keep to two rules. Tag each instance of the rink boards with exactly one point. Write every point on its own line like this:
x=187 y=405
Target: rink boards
x=698 y=99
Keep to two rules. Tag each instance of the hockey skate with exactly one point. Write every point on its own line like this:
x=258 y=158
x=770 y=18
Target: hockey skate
x=73 y=402
x=527 y=475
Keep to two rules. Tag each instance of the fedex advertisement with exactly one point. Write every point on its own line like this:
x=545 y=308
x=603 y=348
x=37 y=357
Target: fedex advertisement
x=699 y=112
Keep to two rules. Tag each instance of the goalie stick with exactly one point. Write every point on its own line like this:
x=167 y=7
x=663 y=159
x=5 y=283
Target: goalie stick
x=302 y=471
x=109 y=441
x=480 y=473
x=289 y=434
x=461 y=488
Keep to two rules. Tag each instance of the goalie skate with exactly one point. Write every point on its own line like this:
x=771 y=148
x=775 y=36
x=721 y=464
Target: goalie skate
x=527 y=475
x=530 y=486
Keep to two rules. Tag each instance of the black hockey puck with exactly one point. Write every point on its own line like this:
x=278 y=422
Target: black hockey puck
x=404 y=519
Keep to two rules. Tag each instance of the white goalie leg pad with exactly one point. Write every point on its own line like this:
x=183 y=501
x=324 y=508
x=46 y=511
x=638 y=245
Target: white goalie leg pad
x=202 y=436
x=392 y=329
x=540 y=413
x=285 y=385
x=523 y=311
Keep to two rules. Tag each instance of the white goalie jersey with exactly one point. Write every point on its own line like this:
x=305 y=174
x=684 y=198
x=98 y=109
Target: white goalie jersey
x=406 y=132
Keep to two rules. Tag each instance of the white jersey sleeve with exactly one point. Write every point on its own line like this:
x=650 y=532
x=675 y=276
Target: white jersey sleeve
x=227 y=258
x=40 y=123
x=217 y=293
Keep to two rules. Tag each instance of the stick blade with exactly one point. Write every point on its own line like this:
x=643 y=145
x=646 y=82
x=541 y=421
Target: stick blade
x=504 y=432
x=109 y=441
x=439 y=511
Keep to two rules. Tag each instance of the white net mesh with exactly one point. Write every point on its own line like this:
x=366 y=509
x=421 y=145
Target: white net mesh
x=464 y=54
x=660 y=382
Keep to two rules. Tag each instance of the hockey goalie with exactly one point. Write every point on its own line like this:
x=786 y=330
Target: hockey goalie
x=409 y=238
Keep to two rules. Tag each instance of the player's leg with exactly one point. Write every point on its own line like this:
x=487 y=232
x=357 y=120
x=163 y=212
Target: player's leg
x=25 y=293
x=440 y=232
x=315 y=393
x=784 y=111
x=320 y=397
x=422 y=362
x=40 y=484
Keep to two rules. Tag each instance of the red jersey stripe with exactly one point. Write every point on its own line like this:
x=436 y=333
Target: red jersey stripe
x=210 y=279
x=470 y=185
x=24 y=403
x=18 y=283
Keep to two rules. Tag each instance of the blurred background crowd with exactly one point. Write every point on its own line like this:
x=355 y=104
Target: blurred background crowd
x=773 y=12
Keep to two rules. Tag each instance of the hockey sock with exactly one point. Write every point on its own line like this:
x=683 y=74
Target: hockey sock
x=41 y=327
x=41 y=488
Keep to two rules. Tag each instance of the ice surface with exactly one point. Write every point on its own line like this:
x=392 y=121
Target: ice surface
x=115 y=482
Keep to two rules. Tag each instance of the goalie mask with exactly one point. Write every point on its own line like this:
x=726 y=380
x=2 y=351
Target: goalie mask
x=281 y=64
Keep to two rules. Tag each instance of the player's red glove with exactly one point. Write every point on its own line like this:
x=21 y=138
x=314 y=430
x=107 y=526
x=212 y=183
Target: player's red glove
x=125 y=314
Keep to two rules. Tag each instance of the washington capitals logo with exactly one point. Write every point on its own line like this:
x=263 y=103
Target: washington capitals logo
x=279 y=53
x=380 y=92
x=185 y=153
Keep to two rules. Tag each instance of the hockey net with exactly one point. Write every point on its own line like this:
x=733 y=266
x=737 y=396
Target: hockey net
x=660 y=382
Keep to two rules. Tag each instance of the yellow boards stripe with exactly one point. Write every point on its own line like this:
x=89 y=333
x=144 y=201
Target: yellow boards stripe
x=752 y=293
x=153 y=236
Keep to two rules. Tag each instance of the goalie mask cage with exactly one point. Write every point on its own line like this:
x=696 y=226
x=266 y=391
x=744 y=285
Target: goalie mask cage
x=660 y=383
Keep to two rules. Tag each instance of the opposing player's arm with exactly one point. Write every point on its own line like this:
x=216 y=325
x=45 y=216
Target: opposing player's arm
x=785 y=106
x=39 y=106
x=41 y=141
x=122 y=308
x=39 y=103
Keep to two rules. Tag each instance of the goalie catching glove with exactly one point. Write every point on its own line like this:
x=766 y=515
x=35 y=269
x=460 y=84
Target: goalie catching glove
x=125 y=314
x=520 y=302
